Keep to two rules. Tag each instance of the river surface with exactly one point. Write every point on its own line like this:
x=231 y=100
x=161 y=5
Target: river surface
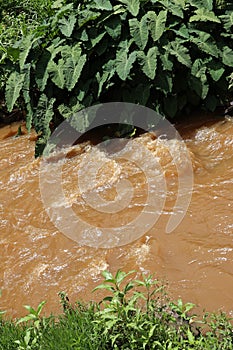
x=195 y=260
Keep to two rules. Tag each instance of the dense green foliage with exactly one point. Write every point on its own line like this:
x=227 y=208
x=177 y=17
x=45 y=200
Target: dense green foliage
x=169 y=55
x=133 y=316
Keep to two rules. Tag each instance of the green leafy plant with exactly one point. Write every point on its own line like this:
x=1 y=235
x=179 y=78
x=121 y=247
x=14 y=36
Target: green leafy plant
x=168 y=55
x=34 y=332
x=137 y=319
x=134 y=315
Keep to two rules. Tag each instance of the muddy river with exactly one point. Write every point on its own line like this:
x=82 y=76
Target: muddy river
x=37 y=260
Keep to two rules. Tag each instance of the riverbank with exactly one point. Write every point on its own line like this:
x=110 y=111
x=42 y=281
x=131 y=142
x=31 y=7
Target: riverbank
x=134 y=315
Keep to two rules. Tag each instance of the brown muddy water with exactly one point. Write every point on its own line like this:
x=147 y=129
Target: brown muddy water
x=196 y=259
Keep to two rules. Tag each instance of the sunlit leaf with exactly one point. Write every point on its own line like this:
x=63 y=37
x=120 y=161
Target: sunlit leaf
x=124 y=63
x=13 y=88
x=139 y=31
x=157 y=24
x=149 y=62
x=132 y=6
x=113 y=27
x=73 y=64
x=66 y=25
x=103 y=4
x=181 y=53
x=204 y=15
x=205 y=43
x=56 y=72
x=227 y=56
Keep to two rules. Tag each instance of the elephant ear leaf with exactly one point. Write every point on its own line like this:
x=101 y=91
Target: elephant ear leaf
x=157 y=24
x=103 y=5
x=13 y=88
x=149 y=62
x=139 y=31
x=133 y=6
x=124 y=61
x=204 y=15
x=181 y=53
x=66 y=25
x=74 y=62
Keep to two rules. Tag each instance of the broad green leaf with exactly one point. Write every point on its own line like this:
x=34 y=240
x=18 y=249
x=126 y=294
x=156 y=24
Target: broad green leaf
x=207 y=4
x=103 y=5
x=215 y=69
x=139 y=31
x=176 y=9
x=27 y=97
x=204 y=15
x=124 y=63
x=181 y=3
x=199 y=83
x=43 y=116
x=73 y=64
x=25 y=47
x=108 y=72
x=68 y=112
x=227 y=56
x=157 y=24
x=66 y=25
x=182 y=32
x=113 y=27
x=228 y=21
x=87 y=16
x=181 y=53
x=166 y=62
x=14 y=86
x=55 y=47
x=149 y=62
x=61 y=12
x=206 y=44
x=56 y=72
x=198 y=68
x=132 y=6
x=97 y=39
x=107 y=275
x=175 y=6
x=41 y=72
x=12 y=52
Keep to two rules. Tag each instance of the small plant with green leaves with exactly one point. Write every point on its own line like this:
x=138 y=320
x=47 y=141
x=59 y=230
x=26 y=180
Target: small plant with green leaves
x=33 y=333
x=134 y=316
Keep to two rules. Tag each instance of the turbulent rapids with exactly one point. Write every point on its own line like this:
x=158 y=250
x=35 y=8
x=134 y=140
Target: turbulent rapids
x=196 y=259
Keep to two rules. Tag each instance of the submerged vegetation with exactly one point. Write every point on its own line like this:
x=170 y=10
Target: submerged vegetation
x=135 y=315
x=58 y=57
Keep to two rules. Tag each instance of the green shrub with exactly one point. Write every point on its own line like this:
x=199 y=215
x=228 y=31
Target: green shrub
x=170 y=55
x=135 y=315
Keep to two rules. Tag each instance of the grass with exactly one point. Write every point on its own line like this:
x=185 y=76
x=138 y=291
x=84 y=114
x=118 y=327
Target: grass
x=135 y=315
